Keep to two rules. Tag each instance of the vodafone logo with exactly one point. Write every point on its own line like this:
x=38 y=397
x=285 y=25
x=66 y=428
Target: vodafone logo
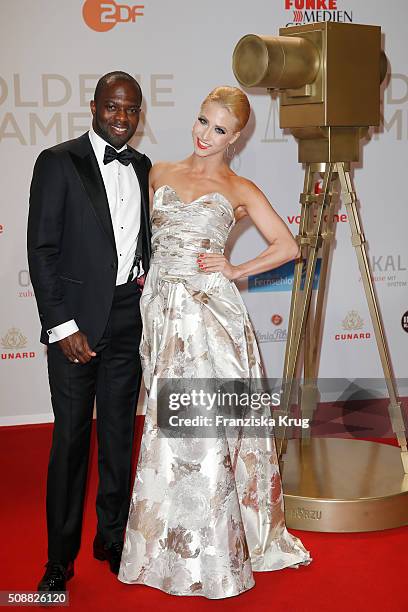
x=318 y=187
x=336 y=218
x=103 y=15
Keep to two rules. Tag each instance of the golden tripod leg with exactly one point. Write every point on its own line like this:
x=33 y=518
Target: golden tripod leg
x=358 y=241
x=327 y=236
x=295 y=304
x=297 y=279
x=308 y=391
x=300 y=304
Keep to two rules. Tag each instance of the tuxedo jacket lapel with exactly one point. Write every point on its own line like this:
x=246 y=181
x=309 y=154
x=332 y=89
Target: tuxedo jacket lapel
x=86 y=164
x=91 y=178
x=143 y=178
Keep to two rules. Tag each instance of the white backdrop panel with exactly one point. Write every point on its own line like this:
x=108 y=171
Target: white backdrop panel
x=51 y=59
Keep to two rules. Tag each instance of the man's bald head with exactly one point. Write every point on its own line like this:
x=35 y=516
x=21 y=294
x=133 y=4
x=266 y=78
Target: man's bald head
x=112 y=77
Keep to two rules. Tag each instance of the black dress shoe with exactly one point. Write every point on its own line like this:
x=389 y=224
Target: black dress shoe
x=108 y=552
x=56 y=577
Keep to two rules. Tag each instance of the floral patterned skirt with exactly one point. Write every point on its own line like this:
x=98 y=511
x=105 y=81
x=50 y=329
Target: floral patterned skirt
x=206 y=512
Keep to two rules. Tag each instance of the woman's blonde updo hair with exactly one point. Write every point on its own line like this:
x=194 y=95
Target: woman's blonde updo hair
x=234 y=100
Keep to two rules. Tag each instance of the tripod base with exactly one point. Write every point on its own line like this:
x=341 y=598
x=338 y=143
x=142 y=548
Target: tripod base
x=337 y=485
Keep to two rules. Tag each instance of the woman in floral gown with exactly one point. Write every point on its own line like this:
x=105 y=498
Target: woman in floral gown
x=206 y=512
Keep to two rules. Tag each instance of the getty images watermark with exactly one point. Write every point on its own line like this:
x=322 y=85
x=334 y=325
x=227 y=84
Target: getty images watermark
x=252 y=401
x=209 y=407
x=336 y=407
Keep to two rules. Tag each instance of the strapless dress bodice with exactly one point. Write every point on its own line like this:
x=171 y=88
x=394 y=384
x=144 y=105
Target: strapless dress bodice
x=182 y=230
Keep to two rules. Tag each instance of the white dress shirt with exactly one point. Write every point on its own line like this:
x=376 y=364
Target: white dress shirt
x=123 y=193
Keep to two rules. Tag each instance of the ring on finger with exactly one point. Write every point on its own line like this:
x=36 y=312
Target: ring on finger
x=76 y=360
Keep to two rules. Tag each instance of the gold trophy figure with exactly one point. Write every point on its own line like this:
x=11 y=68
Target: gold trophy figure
x=329 y=76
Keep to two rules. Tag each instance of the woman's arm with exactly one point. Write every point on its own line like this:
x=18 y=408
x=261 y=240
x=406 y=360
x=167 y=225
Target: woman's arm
x=282 y=246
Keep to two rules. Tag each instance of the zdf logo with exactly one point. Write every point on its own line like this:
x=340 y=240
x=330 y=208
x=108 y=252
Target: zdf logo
x=103 y=15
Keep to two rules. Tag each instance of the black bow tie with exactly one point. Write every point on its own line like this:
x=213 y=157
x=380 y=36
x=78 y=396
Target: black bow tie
x=124 y=157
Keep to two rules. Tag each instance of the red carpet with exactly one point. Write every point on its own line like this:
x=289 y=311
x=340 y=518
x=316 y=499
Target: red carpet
x=362 y=572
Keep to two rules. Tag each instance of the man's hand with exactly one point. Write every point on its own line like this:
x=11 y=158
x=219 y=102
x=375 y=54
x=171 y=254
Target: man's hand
x=76 y=348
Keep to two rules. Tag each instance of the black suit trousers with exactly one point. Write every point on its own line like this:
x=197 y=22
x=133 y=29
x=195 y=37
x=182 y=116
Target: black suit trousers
x=113 y=378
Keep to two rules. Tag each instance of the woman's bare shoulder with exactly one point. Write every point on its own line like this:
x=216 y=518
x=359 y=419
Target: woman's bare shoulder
x=245 y=190
x=161 y=169
x=160 y=166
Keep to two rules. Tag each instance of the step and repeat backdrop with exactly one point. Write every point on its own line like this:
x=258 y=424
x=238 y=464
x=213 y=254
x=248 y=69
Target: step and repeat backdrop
x=52 y=56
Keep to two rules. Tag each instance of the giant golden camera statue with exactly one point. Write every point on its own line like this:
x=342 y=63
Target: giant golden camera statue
x=328 y=76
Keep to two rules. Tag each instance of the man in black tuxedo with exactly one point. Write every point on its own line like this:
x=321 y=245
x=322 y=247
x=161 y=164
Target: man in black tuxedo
x=88 y=248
